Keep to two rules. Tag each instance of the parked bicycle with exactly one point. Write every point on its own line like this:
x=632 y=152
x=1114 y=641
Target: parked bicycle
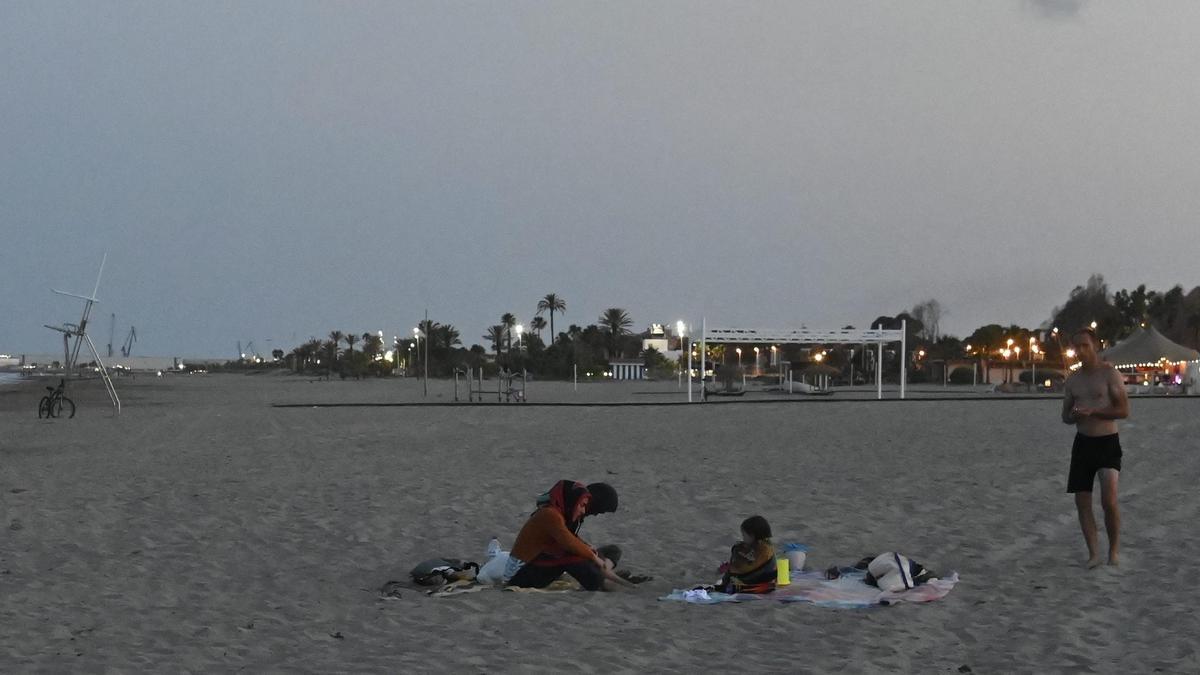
x=55 y=404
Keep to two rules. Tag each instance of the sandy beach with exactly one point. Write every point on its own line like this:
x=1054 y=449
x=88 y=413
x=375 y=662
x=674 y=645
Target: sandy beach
x=205 y=530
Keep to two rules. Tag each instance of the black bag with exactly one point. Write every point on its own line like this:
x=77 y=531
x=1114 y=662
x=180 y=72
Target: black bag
x=438 y=571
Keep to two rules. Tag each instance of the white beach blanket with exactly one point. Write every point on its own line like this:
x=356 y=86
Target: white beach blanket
x=848 y=591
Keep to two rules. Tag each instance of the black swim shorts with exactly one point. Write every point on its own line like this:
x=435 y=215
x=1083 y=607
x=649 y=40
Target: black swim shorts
x=1089 y=454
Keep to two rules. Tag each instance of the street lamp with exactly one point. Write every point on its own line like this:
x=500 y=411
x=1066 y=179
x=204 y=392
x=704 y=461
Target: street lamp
x=974 y=368
x=1033 y=352
x=520 y=329
x=417 y=334
x=739 y=353
x=679 y=330
x=756 y=357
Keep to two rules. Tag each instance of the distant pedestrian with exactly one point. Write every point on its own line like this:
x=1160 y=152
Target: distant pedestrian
x=1094 y=399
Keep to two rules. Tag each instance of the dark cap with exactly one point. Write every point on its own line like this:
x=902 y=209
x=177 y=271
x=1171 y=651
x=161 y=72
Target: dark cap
x=604 y=499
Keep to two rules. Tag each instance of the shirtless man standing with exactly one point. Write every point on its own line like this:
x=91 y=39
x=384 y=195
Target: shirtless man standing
x=1094 y=399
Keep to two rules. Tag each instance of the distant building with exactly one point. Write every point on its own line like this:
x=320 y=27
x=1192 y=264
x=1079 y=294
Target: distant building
x=655 y=338
x=628 y=369
x=662 y=340
x=53 y=362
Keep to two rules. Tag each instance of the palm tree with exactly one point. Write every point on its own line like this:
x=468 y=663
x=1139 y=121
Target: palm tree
x=448 y=336
x=350 y=339
x=616 y=323
x=569 y=336
x=508 y=321
x=495 y=334
x=427 y=327
x=553 y=303
x=299 y=358
x=312 y=350
x=372 y=345
x=335 y=338
x=537 y=324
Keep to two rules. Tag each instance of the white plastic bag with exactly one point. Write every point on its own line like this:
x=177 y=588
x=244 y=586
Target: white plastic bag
x=492 y=571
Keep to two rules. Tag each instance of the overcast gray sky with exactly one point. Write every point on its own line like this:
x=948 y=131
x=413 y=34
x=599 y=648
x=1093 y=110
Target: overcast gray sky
x=274 y=170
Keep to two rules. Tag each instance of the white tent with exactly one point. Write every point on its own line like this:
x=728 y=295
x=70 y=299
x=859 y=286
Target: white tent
x=1147 y=348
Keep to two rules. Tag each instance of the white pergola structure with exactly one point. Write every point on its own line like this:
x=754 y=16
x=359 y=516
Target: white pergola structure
x=808 y=336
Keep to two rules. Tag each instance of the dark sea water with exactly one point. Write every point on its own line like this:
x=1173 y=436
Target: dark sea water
x=9 y=378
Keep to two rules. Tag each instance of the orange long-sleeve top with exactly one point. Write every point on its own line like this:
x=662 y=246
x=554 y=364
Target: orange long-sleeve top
x=546 y=532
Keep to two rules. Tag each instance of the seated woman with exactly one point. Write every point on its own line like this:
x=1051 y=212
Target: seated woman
x=547 y=545
x=751 y=566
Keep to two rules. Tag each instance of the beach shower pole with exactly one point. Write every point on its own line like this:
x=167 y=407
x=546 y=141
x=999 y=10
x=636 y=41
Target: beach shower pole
x=689 y=367
x=426 y=390
x=879 y=368
x=679 y=330
x=903 y=353
x=1033 y=379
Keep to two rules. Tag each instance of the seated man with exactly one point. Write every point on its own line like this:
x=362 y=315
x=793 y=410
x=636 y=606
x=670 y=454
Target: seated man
x=548 y=545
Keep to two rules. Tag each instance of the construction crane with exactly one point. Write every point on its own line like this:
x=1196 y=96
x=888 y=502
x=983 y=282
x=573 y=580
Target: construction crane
x=79 y=332
x=248 y=352
x=129 y=340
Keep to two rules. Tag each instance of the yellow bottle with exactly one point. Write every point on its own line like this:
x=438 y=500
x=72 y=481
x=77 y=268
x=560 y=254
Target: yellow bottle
x=783 y=575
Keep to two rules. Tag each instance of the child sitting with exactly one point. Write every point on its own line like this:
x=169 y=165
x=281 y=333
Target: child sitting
x=751 y=566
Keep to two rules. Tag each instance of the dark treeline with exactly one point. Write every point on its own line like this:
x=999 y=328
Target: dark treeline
x=535 y=348
x=1173 y=313
x=542 y=349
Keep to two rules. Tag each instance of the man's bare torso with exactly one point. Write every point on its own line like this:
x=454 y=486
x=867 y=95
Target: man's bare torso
x=1089 y=388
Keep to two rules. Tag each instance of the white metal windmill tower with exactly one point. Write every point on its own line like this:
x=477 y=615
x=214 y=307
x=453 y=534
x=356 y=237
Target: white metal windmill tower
x=79 y=332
